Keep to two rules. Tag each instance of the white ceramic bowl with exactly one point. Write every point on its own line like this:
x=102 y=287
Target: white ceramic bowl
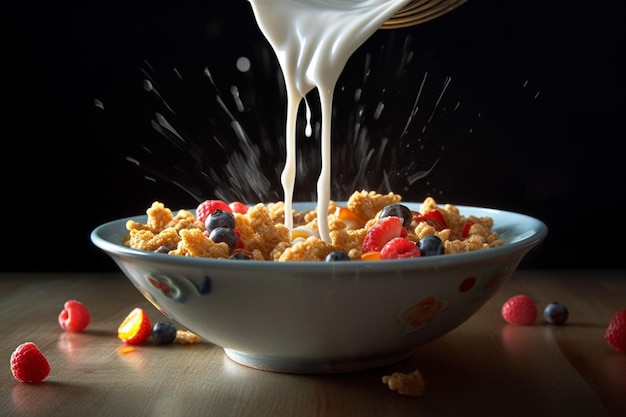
x=324 y=317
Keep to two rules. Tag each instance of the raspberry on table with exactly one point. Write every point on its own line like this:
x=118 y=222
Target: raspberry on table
x=520 y=310
x=615 y=333
x=74 y=317
x=28 y=364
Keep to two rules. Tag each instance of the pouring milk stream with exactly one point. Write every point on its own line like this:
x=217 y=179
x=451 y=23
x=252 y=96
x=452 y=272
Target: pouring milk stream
x=313 y=40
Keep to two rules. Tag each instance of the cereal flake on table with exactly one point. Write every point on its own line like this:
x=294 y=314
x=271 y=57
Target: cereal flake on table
x=263 y=235
x=187 y=337
x=411 y=384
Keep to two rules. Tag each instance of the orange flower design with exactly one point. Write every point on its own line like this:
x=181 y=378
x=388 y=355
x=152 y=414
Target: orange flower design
x=416 y=315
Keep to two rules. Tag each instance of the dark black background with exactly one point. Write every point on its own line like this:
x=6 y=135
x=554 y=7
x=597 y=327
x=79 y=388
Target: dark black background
x=531 y=121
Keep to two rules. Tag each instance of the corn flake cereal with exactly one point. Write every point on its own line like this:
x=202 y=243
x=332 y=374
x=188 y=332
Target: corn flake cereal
x=410 y=384
x=263 y=235
x=186 y=337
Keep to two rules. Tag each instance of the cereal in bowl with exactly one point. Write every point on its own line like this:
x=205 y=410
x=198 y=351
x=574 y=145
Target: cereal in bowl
x=370 y=226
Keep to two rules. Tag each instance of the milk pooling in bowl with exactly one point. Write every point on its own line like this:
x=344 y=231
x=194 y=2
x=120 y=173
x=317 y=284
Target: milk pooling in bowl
x=313 y=40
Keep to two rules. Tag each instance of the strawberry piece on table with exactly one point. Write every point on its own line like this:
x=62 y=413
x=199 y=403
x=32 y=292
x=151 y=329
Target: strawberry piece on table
x=615 y=333
x=28 y=364
x=74 y=317
x=136 y=328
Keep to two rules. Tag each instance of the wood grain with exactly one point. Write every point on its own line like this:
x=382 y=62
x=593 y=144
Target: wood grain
x=483 y=367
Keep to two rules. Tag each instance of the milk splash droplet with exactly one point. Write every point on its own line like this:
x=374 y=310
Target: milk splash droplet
x=243 y=64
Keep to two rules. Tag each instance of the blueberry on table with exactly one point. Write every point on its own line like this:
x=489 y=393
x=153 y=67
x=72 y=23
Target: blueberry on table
x=556 y=313
x=164 y=333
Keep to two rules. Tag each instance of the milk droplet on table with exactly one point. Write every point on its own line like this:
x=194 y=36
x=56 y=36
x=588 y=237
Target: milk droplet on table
x=313 y=40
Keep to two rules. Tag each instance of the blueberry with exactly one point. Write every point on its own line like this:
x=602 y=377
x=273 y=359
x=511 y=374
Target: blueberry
x=226 y=235
x=240 y=255
x=398 y=210
x=163 y=333
x=163 y=249
x=556 y=313
x=430 y=245
x=337 y=255
x=219 y=218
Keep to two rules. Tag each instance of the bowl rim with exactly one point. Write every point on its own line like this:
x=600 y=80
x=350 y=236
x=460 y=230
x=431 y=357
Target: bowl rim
x=101 y=235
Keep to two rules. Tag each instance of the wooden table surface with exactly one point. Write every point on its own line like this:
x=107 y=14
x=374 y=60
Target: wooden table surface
x=484 y=367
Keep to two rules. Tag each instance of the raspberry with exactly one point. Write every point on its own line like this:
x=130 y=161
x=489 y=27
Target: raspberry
x=28 y=364
x=74 y=317
x=136 y=328
x=520 y=310
x=615 y=333
x=382 y=232
x=399 y=248
x=209 y=206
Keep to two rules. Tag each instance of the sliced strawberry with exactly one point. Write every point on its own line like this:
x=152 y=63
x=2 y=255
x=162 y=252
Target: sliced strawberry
x=433 y=218
x=399 y=248
x=239 y=241
x=136 y=327
x=466 y=229
x=382 y=232
x=238 y=207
